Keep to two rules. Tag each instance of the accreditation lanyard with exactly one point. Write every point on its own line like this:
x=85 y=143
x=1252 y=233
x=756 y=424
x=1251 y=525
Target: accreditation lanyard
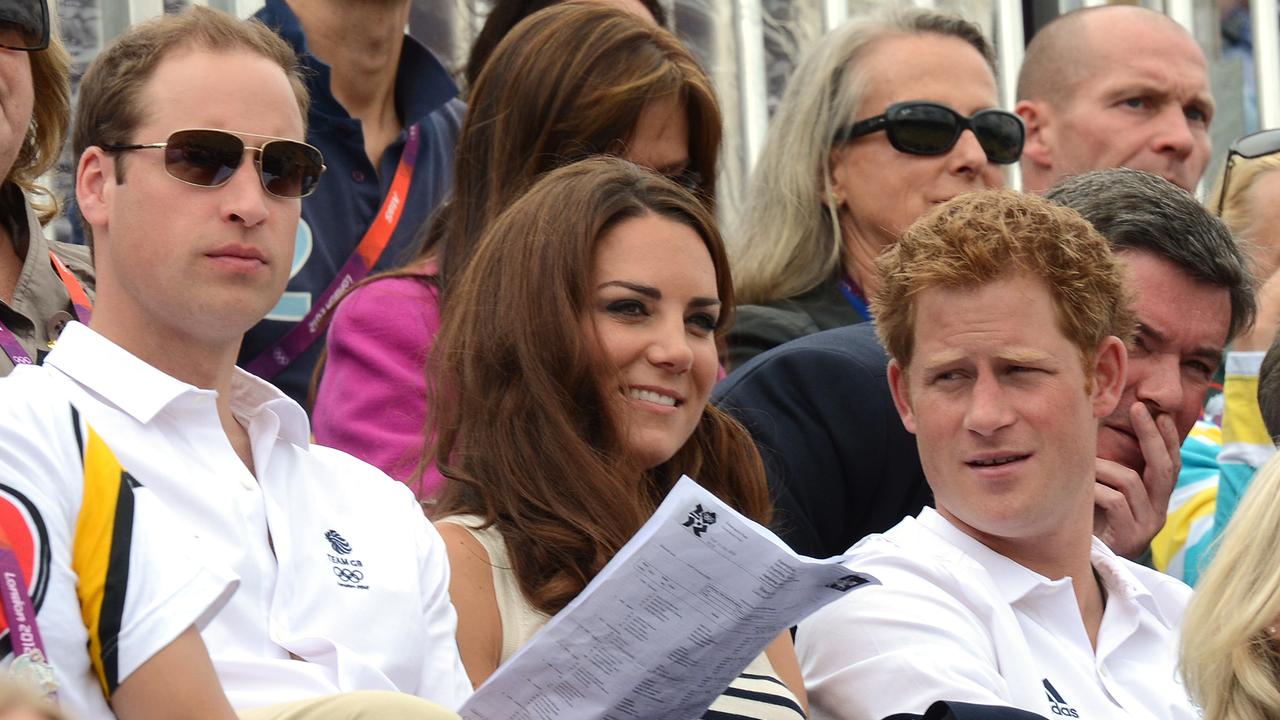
x=853 y=294
x=284 y=351
x=79 y=302
x=30 y=662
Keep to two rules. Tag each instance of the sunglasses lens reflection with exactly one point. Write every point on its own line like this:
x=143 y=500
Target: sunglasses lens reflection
x=289 y=169
x=1000 y=135
x=23 y=24
x=203 y=157
x=1258 y=144
x=928 y=129
x=925 y=129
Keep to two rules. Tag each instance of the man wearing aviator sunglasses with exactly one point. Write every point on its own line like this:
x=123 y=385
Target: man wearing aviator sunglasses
x=204 y=157
x=191 y=171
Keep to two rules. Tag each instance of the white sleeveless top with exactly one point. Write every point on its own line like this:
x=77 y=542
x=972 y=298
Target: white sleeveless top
x=756 y=694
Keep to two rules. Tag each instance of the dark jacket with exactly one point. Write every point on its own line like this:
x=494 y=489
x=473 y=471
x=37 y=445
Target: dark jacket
x=758 y=328
x=840 y=464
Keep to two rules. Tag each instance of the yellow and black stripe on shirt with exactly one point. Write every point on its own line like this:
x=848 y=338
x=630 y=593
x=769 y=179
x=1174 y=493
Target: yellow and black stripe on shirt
x=101 y=551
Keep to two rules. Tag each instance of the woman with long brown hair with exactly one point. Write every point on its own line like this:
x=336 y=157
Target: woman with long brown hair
x=572 y=379
x=572 y=80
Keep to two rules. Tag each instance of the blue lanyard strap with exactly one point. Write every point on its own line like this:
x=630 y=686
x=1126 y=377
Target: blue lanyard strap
x=853 y=294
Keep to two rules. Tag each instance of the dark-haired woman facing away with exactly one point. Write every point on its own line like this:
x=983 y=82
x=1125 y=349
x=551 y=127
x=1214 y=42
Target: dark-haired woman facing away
x=573 y=372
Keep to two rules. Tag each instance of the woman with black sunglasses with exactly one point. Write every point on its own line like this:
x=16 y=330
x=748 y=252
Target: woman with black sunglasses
x=883 y=119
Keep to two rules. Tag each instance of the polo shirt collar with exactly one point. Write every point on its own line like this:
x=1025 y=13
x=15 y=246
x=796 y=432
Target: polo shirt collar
x=1121 y=582
x=423 y=85
x=1014 y=582
x=141 y=391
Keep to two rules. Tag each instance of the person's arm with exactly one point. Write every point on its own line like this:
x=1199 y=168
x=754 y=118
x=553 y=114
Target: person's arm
x=444 y=676
x=782 y=656
x=895 y=648
x=177 y=683
x=371 y=400
x=1246 y=444
x=471 y=589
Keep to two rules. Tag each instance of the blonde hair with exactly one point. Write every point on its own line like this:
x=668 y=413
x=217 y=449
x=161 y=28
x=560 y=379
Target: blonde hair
x=788 y=239
x=982 y=236
x=50 y=118
x=1237 y=210
x=1230 y=660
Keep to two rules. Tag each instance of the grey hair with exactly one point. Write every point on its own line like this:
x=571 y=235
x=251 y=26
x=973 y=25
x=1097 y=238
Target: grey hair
x=1135 y=210
x=787 y=240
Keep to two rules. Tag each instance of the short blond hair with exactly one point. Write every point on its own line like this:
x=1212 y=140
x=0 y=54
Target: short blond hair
x=983 y=236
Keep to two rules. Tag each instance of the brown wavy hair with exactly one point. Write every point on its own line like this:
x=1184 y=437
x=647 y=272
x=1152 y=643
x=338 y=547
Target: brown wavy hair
x=50 y=118
x=568 y=82
x=524 y=431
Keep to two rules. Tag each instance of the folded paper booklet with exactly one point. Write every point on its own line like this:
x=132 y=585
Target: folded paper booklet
x=661 y=631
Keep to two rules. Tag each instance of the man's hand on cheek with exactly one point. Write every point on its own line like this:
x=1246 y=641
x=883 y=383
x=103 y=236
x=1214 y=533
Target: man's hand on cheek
x=1129 y=509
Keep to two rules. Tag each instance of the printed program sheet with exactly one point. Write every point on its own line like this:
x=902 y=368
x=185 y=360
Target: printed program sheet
x=660 y=632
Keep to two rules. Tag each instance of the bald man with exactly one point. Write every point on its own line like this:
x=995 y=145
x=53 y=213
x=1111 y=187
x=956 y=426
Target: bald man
x=1114 y=86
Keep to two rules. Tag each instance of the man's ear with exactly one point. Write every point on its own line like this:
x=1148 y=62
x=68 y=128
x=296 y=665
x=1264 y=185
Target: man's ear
x=1038 y=117
x=901 y=395
x=95 y=184
x=1109 y=369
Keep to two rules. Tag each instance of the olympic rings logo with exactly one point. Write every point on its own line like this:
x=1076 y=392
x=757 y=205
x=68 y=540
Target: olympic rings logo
x=348 y=575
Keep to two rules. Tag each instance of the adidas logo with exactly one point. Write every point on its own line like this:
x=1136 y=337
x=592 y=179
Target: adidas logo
x=1056 y=703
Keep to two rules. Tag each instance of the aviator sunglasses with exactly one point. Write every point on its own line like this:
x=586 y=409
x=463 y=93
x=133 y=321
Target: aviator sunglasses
x=926 y=128
x=24 y=24
x=208 y=158
x=1249 y=147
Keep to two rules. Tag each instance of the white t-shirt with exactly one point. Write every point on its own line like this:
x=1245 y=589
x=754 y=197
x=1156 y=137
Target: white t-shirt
x=113 y=579
x=337 y=563
x=954 y=620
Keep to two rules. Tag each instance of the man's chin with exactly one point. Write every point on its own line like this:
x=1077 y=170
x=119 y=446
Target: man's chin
x=1122 y=448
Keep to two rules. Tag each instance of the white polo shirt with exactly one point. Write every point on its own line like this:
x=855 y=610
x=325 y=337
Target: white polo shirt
x=112 y=579
x=954 y=620
x=338 y=565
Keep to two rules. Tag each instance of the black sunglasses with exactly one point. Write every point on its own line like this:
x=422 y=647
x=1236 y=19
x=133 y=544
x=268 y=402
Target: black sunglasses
x=926 y=128
x=24 y=24
x=208 y=158
x=1255 y=145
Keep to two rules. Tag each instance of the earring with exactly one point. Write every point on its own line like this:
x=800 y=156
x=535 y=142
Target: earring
x=834 y=200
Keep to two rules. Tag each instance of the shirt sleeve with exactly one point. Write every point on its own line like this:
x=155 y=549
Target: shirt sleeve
x=895 y=648
x=110 y=577
x=1246 y=444
x=444 y=679
x=1178 y=549
x=139 y=581
x=372 y=397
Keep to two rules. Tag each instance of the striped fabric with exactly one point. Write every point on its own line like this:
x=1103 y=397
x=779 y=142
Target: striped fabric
x=100 y=552
x=757 y=697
